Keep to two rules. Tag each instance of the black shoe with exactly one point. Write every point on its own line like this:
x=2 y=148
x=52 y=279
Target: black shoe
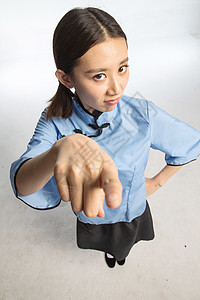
x=110 y=261
x=121 y=262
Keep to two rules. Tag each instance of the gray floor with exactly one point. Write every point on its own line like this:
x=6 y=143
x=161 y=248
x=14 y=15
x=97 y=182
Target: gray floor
x=39 y=258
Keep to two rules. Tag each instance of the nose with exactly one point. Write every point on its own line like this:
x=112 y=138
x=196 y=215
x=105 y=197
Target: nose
x=113 y=87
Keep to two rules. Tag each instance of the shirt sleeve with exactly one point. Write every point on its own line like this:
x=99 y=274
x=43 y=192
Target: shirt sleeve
x=45 y=135
x=178 y=140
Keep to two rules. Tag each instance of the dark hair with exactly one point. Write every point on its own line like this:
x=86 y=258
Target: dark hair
x=75 y=34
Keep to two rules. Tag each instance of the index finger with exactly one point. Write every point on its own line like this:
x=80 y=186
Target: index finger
x=111 y=185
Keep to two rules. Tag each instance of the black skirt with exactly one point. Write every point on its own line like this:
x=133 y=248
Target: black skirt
x=117 y=238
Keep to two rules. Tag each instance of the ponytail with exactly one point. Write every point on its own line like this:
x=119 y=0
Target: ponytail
x=61 y=103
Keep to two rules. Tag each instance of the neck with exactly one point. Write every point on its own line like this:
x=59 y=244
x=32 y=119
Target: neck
x=95 y=113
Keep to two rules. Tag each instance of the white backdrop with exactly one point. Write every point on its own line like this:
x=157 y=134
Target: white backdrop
x=164 y=51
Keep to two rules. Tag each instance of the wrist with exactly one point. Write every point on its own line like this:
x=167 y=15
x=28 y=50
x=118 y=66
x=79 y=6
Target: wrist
x=158 y=183
x=52 y=155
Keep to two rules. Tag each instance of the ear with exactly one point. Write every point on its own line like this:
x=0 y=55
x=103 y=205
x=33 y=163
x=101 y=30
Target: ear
x=65 y=79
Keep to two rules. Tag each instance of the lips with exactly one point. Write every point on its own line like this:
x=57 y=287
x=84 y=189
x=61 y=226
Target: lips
x=112 y=102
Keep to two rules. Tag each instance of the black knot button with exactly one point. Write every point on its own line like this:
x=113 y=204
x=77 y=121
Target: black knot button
x=105 y=125
x=96 y=126
x=79 y=131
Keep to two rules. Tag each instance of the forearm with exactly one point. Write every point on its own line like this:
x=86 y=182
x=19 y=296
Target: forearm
x=167 y=172
x=35 y=173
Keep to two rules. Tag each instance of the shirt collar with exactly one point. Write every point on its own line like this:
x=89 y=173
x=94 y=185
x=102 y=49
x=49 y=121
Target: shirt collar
x=98 y=116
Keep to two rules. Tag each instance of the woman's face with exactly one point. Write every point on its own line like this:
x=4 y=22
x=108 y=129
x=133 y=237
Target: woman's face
x=102 y=74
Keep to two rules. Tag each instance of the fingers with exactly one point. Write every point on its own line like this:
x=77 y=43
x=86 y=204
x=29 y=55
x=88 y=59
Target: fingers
x=86 y=175
x=70 y=187
x=93 y=199
x=75 y=189
x=108 y=186
x=101 y=213
x=61 y=182
x=111 y=185
x=88 y=195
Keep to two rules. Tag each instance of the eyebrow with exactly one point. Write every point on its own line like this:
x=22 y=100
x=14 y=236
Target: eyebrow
x=103 y=70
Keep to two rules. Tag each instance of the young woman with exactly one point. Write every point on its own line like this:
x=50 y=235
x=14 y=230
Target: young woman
x=91 y=147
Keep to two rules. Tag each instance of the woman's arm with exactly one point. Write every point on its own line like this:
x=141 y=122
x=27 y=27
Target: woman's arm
x=35 y=173
x=153 y=184
x=83 y=181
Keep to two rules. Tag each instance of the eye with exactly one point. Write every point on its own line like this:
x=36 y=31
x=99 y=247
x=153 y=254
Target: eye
x=99 y=76
x=123 y=68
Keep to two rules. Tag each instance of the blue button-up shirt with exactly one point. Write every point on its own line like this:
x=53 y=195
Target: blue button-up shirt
x=126 y=133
